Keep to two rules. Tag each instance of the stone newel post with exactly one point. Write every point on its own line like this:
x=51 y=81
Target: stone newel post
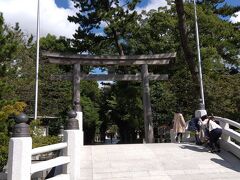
x=72 y=136
x=20 y=147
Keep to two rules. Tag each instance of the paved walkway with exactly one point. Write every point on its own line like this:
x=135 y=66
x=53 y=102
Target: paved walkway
x=157 y=162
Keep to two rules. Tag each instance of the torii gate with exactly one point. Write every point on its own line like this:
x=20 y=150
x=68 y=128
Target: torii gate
x=143 y=60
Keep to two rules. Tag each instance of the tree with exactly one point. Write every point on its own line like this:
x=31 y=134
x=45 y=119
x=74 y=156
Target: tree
x=125 y=109
x=218 y=48
x=10 y=105
x=90 y=99
x=93 y=16
x=10 y=42
x=220 y=7
x=55 y=96
x=222 y=94
x=17 y=73
x=188 y=52
x=6 y=123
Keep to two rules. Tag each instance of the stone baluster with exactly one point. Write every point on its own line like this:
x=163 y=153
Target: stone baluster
x=20 y=147
x=72 y=136
x=224 y=136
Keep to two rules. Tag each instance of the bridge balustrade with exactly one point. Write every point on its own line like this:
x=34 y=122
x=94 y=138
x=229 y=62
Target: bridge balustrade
x=230 y=139
x=20 y=164
x=51 y=163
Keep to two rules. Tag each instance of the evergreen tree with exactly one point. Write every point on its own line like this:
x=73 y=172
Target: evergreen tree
x=108 y=15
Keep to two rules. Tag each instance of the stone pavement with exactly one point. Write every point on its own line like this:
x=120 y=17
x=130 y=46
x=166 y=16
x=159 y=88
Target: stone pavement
x=166 y=161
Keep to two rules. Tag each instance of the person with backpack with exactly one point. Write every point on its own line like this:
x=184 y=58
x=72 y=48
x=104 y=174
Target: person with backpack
x=215 y=132
x=193 y=126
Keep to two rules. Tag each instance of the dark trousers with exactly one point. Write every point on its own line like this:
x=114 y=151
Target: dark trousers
x=197 y=139
x=214 y=136
x=179 y=135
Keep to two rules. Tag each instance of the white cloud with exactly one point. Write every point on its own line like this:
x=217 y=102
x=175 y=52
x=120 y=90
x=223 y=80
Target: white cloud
x=153 y=4
x=53 y=19
x=235 y=19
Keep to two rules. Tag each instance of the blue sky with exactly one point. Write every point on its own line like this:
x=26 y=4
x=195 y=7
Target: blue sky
x=234 y=2
x=64 y=3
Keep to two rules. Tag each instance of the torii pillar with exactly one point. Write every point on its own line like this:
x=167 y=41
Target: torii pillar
x=148 y=120
x=76 y=99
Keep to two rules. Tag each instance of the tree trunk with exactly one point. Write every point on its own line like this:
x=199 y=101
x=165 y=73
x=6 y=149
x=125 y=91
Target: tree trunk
x=188 y=52
x=118 y=45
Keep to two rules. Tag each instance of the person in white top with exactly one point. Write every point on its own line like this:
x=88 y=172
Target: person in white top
x=215 y=132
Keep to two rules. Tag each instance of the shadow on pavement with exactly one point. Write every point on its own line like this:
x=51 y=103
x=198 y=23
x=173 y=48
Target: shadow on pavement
x=227 y=160
x=194 y=147
x=226 y=164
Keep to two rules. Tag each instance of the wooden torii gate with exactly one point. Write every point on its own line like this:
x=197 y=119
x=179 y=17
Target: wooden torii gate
x=142 y=60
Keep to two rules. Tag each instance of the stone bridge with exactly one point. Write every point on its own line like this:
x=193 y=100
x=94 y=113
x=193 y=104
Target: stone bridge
x=165 y=161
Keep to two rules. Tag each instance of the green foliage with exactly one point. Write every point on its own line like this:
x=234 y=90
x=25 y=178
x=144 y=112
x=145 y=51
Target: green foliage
x=38 y=138
x=154 y=33
x=8 y=45
x=3 y=150
x=53 y=44
x=90 y=99
x=163 y=102
x=93 y=15
x=55 y=96
x=39 y=141
x=113 y=129
x=222 y=95
x=6 y=124
x=7 y=111
x=124 y=108
x=220 y=7
x=90 y=119
x=223 y=44
x=12 y=51
x=91 y=90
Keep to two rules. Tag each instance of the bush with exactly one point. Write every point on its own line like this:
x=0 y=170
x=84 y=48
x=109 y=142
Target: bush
x=3 y=150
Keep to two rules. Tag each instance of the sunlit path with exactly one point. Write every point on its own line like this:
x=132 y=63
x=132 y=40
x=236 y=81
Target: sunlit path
x=156 y=161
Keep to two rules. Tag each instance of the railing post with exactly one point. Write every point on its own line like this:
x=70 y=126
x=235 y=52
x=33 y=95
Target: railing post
x=224 y=136
x=79 y=117
x=72 y=136
x=200 y=112
x=20 y=147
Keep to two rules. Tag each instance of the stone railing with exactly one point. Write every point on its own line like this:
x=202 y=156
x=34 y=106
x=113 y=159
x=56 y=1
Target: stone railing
x=58 y=161
x=20 y=164
x=230 y=139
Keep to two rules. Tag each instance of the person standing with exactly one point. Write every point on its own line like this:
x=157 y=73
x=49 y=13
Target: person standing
x=194 y=126
x=179 y=126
